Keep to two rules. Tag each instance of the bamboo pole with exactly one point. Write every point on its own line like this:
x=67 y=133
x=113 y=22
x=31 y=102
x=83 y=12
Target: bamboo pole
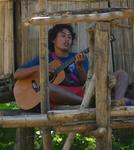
x=88 y=93
x=91 y=31
x=69 y=141
x=81 y=128
x=8 y=39
x=133 y=35
x=59 y=118
x=24 y=139
x=70 y=0
x=86 y=127
x=44 y=81
x=70 y=18
x=102 y=97
x=5 y=0
x=43 y=54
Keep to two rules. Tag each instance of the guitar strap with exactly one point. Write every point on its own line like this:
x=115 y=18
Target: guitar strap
x=72 y=75
x=53 y=55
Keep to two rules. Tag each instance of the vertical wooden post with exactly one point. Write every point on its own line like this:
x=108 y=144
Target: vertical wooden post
x=102 y=97
x=17 y=32
x=90 y=85
x=133 y=38
x=91 y=31
x=133 y=30
x=44 y=81
x=24 y=139
x=43 y=52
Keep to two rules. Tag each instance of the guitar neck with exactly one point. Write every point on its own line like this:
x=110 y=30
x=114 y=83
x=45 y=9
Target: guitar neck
x=70 y=61
x=65 y=65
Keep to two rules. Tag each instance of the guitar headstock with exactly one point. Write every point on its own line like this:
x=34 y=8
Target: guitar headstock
x=85 y=50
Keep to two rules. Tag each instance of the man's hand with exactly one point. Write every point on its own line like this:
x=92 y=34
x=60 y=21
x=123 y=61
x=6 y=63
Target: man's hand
x=79 y=58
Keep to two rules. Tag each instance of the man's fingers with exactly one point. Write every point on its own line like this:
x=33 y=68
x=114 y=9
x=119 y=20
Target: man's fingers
x=80 y=57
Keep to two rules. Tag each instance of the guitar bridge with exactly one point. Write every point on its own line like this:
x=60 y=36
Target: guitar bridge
x=35 y=86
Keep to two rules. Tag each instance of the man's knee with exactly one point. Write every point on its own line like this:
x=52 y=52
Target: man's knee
x=121 y=74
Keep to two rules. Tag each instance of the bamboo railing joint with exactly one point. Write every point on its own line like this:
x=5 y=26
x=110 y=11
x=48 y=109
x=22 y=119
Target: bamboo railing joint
x=98 y=133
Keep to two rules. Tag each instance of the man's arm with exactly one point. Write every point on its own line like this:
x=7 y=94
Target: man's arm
x=82 y=74
x=80 y=68
x=25 y=72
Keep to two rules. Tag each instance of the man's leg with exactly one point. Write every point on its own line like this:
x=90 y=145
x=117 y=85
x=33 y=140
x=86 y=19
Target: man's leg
x=63 y=97
x=121 y=85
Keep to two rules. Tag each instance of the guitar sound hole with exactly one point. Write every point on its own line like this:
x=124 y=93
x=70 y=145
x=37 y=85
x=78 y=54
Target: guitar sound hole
x=51 y=76
x=35 y=86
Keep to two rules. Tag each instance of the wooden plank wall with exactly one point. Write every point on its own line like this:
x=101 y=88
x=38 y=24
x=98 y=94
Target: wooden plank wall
x=123 y=48
x=6 y=38
x=26 y=41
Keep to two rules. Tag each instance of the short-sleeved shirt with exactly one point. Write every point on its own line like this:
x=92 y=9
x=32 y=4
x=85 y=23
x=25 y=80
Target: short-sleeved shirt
x=72 y=67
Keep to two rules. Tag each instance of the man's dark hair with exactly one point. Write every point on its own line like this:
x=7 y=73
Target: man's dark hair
x=55 y=30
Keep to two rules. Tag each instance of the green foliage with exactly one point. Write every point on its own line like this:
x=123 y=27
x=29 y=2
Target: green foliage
x=7 y=141
x=7 y=135
x=80 y=142
x=38 y=140
x=11 y=105
x=83 y=143
x=58 y=140
x=116 y=145
x=7 y=138
x=87 y=143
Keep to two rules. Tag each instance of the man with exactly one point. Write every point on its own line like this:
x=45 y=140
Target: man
x=70 y=91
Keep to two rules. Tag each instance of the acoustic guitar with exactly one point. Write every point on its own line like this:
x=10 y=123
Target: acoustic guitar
x=26 y=91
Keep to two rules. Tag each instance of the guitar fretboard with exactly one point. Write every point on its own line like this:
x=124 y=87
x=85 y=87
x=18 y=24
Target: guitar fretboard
x=67 y=63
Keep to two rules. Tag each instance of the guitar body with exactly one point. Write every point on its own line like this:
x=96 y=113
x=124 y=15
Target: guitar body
x=26 y=96
x=60 y=76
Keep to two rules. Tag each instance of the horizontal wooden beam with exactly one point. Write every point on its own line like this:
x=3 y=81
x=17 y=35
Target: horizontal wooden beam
x=5 y=0
x=68 y=17
x=87 y=127
x=70 y=0
x=56 y=118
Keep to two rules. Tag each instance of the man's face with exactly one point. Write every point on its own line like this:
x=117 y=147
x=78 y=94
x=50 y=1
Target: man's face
x=63 y=40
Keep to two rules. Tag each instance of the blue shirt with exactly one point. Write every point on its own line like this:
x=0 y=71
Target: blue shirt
x=72 y=67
